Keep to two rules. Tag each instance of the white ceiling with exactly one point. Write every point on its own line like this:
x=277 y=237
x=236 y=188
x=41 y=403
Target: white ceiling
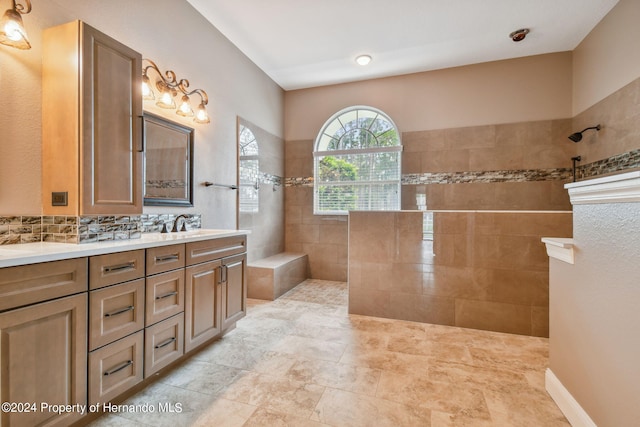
x=304 y=43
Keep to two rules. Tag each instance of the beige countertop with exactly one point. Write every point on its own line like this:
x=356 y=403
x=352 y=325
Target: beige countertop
x=30 y=253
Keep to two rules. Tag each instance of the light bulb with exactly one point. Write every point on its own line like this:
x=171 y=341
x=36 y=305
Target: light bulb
x=166 y=100
x=147 y=93
x=12 y=30
x=201 y=115
x=363 y=60
x=185 y=108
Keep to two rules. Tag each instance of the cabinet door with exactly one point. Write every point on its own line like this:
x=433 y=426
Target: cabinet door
x=234 y=289
x=111 y=140
x=43 y=359
x=202 y=303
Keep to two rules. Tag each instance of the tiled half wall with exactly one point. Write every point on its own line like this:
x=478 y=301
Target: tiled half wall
x=16 y=229
x=482 y=270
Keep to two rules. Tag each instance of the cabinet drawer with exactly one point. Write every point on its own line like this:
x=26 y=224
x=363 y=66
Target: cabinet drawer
x=208 y=250
x=115 y=311
x=163 y=343
x=165 y=258
x=164 y=296
x=105 y=270
x=28 y=284
x=115 y=368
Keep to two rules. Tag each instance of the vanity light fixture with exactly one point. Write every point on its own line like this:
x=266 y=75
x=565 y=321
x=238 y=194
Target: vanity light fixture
x=12 y=32
x=169 y=87
x=363 y=60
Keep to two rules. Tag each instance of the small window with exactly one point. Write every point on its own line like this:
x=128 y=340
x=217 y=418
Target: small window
x=249 y=171
x=357 y=163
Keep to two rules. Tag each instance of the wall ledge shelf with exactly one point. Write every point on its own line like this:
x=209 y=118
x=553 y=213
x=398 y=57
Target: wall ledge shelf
x=621 y=188
x=560 y=248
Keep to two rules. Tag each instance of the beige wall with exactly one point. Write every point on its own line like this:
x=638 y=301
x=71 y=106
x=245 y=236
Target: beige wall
x=608 y=58
x=176 y=37
x=517 y=90
x=594 y=347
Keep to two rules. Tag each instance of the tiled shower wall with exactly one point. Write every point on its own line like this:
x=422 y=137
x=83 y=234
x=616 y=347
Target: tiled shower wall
x=483 y=270
x=267 y=224
x=517 y=166
x=85 y=229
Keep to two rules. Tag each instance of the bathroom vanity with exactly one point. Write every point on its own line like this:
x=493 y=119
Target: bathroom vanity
x=83 y=324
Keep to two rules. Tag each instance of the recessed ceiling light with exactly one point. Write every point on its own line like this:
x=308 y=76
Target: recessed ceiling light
x=363 y=59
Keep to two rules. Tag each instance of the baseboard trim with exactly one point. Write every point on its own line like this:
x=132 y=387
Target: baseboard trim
x=565 y=401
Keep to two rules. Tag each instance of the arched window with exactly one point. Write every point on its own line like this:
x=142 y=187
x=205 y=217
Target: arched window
x=249 y=170
x=357 y=162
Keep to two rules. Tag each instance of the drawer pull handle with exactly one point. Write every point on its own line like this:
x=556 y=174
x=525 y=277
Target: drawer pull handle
x=119 y=368
x=120 y=311
x=167 y=295
x=166 y=343
x=119 y=267
x=165 y=258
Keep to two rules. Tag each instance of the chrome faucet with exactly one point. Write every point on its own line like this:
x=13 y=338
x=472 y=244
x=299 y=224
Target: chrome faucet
x=184 y=223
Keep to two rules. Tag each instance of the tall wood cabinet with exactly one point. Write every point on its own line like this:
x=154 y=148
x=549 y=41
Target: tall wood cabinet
x=92 y=123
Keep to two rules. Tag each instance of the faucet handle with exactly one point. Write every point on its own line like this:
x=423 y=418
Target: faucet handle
x=164 y=228
x=184 y=226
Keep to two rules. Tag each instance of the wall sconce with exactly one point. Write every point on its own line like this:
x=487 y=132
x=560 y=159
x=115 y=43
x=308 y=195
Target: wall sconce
x=169 y=87
x=12 y=32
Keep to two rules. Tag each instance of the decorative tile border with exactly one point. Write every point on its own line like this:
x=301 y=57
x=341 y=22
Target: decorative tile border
x=152 y=223
x=299 y=182
x=617 y=163
x=20 y=229
x=16 y=229
x=267 y=178
x=526 y=175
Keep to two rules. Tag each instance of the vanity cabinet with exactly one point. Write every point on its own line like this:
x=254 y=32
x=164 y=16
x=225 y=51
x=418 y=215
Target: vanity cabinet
x=215 y=289
x=91 y=123
x=44 y=345
x=86 y=330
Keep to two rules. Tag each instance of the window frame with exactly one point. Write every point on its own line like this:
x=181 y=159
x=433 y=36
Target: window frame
x=254 y=203
x=398 y=148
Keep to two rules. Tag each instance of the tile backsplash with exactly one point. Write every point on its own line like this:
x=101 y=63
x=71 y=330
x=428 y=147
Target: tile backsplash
x=16 y=229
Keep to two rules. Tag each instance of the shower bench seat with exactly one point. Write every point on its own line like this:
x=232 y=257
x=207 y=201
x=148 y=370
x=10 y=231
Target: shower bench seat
x=269 y=278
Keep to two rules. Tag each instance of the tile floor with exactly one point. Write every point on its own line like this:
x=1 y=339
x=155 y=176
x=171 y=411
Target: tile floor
x=303 y=361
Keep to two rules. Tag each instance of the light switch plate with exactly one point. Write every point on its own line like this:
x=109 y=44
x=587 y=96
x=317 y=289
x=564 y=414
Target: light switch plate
x=59 y=198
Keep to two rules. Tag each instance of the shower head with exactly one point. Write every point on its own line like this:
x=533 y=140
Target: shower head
x=577 y=137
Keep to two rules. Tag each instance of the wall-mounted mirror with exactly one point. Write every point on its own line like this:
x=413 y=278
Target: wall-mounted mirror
x=168 y=162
